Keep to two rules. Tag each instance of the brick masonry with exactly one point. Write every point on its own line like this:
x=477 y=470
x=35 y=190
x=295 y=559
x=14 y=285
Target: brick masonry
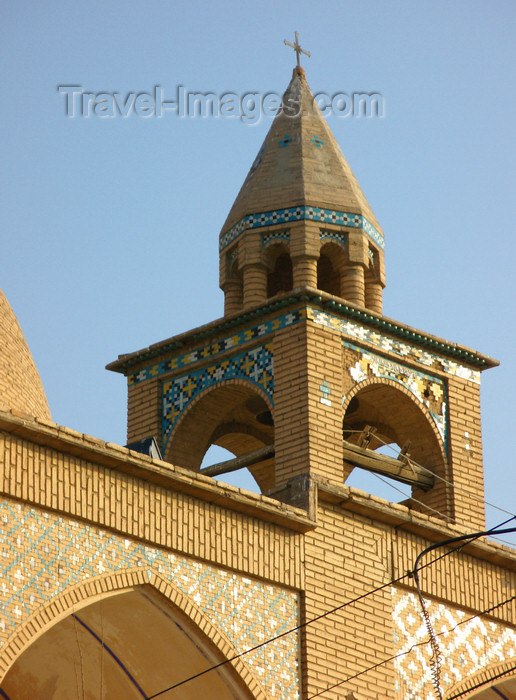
x=73 y=522
x=302 y=360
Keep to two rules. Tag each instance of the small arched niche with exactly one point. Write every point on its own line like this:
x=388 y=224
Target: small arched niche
x=234 y=415
x=233 y=285
x=330 y=265
x=280 y=276
x=400 y=421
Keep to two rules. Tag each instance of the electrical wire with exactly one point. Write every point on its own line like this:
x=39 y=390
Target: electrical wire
x=436 y=659
x=80 y=653
x=424 y=505
x=301 y=626
x=439 y=478
x=429 y=471
x=446 y=481
x=420 y=644
x=433 y=510
x=283 y=634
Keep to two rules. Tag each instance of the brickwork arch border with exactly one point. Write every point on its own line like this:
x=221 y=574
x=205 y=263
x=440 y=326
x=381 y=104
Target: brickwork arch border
x=372 y=382
x=248 y=384
x=505 y=670
x=240 y=381
x=102 y=587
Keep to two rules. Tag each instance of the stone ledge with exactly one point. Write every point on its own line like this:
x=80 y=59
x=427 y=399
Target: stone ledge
x=166 y=475
x=403 y=518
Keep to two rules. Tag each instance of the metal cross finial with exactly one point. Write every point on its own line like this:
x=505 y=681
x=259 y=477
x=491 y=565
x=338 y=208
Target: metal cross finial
x=297 y=48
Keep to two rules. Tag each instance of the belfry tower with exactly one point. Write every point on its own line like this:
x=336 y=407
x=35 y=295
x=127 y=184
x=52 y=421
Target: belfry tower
x=301 y=219
x=303 y=378
x=127 y=575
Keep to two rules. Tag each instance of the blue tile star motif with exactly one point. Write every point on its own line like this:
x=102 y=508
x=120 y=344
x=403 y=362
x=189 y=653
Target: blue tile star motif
x=285 y=140
x=317 y=140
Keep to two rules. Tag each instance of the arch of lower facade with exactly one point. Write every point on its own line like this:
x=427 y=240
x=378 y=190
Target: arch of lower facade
x=401 y=419
x=235 y=414
x=497 y=680
x=130 y=635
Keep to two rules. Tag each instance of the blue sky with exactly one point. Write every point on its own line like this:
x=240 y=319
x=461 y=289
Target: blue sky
x=110 y=226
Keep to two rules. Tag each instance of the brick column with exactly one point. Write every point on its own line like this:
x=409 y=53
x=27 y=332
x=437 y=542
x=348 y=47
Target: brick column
x=466 y=452
x=373 y=296
x=233 y=294
x=305 y=271
x=255 y=284
x=352 y=286
x=307 y=406
x=144 y=411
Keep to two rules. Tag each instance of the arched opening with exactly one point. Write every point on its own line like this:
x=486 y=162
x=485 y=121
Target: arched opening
x=129 y=645
x=498 y=680
x=241 y=478
x=279 y=264
x=400 y=422
x=329 y=268
x=234 y=415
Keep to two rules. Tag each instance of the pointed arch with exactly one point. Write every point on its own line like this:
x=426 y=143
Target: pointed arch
x=500 y=677
x=108 y=616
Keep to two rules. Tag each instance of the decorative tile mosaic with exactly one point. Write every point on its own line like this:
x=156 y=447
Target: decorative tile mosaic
x=317 y=140
x=325 y=393
x=429 y=390
x=301 y=213
x=276 y=235
x=43 y=554
x=256 y=365
x=334 y=235
x=215 y=349
x=465 y=649
x=411 y=352
x=285 y=140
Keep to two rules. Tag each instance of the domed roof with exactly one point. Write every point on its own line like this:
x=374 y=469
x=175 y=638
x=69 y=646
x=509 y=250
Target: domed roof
x=20 y=384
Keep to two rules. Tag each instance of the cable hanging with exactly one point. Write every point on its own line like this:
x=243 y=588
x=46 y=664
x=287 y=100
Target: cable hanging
x=421 y=644
x=446 y=481
x=409 y=574
x=436 y=659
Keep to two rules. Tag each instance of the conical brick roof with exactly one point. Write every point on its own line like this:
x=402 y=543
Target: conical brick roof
x=300 y=164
